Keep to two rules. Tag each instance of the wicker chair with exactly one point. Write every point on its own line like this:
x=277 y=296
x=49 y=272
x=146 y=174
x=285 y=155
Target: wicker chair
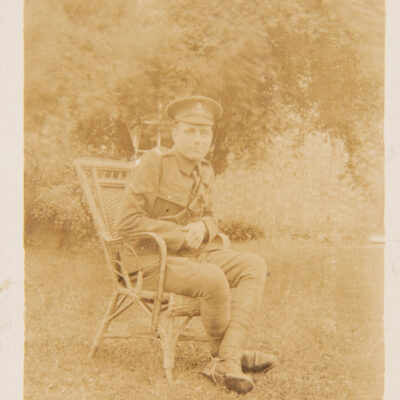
x=103 y=182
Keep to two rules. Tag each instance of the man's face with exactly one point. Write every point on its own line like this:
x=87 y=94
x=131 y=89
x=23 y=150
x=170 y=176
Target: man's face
x=192 y=141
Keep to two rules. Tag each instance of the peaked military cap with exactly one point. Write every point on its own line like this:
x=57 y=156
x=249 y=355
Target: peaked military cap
x=198 y=110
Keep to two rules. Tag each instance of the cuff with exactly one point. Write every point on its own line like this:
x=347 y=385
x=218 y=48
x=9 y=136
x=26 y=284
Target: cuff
x=178 y=241
x=212 y=229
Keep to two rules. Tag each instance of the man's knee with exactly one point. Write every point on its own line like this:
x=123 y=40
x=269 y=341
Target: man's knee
x=214 y=282
x=256 y=266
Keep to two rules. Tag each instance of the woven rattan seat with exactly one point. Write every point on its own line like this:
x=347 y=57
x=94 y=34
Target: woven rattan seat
x=103 y=182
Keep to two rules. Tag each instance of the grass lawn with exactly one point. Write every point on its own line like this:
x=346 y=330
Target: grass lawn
x=322 y=316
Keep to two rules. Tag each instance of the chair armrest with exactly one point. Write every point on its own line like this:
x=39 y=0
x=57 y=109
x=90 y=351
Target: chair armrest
x=226 y=243
x=162 y=248
x=157 y=238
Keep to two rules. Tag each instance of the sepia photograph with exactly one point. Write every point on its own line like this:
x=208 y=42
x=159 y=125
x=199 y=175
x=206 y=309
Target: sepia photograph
x=204 y=199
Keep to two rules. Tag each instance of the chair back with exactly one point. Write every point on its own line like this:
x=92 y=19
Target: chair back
x=103 y=182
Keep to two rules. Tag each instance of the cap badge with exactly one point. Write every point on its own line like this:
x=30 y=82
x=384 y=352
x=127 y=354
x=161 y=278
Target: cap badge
x=199 y=108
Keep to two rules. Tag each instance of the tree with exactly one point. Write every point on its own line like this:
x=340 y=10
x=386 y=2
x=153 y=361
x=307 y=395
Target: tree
x=92 y=67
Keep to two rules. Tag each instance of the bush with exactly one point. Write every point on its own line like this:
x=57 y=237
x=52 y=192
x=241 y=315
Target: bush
x=62 y=208
x=298 y=188
x=86 y=81
x=239 y=230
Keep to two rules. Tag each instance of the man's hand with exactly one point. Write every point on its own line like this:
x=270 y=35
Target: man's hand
x=195 y=233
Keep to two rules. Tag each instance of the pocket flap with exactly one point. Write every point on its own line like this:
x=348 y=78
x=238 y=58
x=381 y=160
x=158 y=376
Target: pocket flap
x=168 y=193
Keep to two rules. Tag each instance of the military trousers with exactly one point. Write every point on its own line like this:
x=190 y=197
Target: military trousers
x=227 y=319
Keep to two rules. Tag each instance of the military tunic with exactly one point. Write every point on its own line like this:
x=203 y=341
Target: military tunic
x=163 y=195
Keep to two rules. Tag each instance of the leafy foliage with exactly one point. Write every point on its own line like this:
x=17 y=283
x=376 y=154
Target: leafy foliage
x=237 y=230
x=95 y=68
x=299 y=190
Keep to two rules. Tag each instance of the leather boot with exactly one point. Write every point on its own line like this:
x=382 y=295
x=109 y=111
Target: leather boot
x=244 y=305
x=228 y=373
x=250 y=360
x=214 y=342
x=257 y=361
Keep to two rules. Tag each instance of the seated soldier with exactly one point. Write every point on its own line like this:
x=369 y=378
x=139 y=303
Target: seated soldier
x=169 y=194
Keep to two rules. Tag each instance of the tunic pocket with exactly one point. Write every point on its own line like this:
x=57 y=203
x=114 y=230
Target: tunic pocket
x=169 y=202
x=173 y=195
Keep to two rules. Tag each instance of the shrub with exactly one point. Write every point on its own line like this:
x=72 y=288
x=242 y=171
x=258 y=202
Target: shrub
x=300 y=187
x=62 y=208
x=240 y=230
x=86 y=81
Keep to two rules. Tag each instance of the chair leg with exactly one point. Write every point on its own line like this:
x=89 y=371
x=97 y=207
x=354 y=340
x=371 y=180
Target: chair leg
x=104 y=325
x=168 y=343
